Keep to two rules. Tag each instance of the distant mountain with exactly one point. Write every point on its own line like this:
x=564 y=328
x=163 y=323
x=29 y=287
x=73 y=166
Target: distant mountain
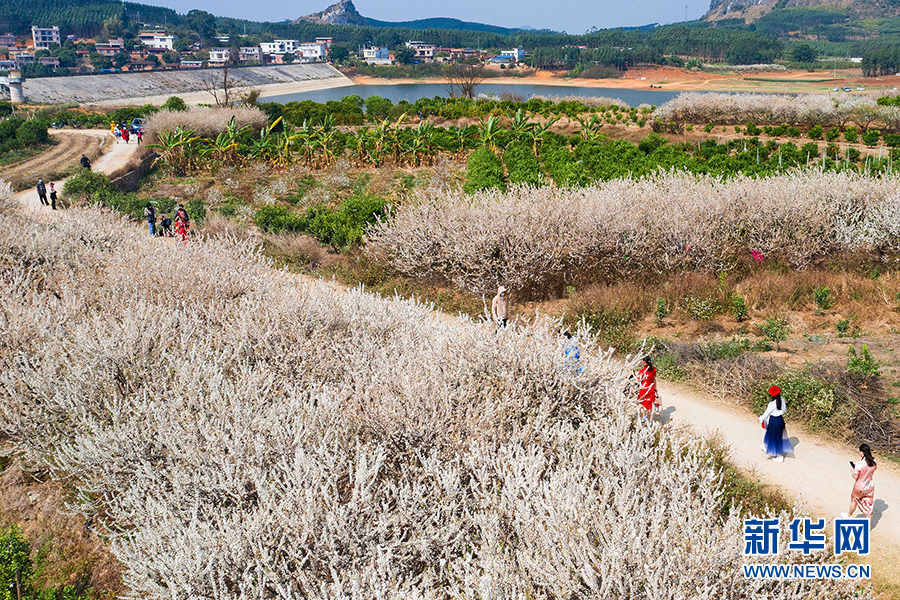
x=752 y=10
x=344 y=13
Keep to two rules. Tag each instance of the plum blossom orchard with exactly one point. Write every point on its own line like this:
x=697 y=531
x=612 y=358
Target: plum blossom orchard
x=671 y=222
x=238 y=434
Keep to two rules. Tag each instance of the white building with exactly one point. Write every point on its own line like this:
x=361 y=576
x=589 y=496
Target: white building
x=312 y=51
x=423 y=50
x=516 y=55
x=376 y=55
x=44 y=36
x=219 y=56
x=157 y=40
x=279 y=47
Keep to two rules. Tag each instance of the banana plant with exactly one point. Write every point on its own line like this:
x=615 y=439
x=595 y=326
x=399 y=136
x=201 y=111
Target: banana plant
x=265 y=148
x=590 y=128
x=223 y=148
x=539 y=132
x=488 y=132
x=180 y=149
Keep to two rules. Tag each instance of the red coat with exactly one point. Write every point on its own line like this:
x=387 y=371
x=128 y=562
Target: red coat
x=647 y=391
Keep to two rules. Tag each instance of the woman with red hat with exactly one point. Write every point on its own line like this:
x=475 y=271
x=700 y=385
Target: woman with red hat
x=775 y=442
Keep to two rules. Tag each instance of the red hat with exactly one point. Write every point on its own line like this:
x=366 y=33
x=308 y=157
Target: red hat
x=774 y=391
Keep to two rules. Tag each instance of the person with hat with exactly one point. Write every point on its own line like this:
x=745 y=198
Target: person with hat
x=500 y=307
x=775 y=442
x=42 y=192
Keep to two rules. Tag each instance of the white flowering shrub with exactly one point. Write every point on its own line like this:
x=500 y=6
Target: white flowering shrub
x=775 y=109
x=671 y=222
x=7 y=197
x=240 y=435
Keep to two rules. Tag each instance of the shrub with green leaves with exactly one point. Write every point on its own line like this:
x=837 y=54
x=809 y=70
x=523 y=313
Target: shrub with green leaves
x=700 y=308
x=661 y=311
x=88 y=186
x=871 y=137
x=344 y=226
x=15 y=557
x=277 y=219
x=775 y=329
x=522 y=165
x=739 y=307
x=850 y=134
x=175 y=104
x=823 y=298
x=862 y=363
x=484 y=172
x=806 y=398
x=815 y=132
x=832 y=134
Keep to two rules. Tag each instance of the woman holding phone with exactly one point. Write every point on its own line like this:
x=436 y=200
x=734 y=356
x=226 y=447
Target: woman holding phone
x=863 y=494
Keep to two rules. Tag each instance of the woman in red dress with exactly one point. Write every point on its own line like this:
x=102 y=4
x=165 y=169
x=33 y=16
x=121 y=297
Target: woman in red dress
x=648 y=396
x=182 y=224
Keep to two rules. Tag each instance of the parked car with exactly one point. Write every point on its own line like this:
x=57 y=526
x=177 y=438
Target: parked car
x=137 y=125
x=860 y=88
x=847 y=88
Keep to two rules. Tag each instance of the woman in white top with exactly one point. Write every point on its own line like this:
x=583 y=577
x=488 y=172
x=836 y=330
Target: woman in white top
x=775 y=442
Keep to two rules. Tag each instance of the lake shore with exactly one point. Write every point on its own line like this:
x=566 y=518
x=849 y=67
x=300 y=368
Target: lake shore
x=682 y=80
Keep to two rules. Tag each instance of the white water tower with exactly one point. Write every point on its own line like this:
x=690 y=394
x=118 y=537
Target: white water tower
x=14 y=81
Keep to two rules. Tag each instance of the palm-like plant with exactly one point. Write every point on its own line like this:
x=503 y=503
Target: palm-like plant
x=180 y=149
x=223 y=148
x=488 y=132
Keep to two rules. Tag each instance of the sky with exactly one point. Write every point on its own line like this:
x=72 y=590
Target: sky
x=572 y=16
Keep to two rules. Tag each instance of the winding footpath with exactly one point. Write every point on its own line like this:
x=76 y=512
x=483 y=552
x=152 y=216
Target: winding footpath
x=817 y=475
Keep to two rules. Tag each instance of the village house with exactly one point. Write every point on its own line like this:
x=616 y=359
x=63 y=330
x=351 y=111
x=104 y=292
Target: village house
x=191 y=64
x=219 y=56
x=423 y=51
x=23 y=58
x=279 y=47
x=111 y=48
x=44 y=36
x=7 y=41
x=250 y=54
x=157 y=39
x=311 y=51
x=49 y=61
x=376 y=55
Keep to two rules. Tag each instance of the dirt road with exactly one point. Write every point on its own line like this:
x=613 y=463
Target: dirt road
x=108 y=157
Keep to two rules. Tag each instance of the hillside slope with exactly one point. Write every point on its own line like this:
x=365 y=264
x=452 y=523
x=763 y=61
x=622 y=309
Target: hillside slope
x=752 y=10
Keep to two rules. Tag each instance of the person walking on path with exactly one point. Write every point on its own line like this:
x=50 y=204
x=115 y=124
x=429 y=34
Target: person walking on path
x=125 y=135
x=85 y=162
x=500 y=308
x=648 y=395
x=775 y=442
x=150 y=213
x=117 y=132
x=52 y=196
x=139 y=135
x=863 y=494
x=42 y=192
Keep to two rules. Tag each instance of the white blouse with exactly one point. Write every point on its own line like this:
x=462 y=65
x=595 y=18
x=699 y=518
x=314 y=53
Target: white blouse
x=771 y=411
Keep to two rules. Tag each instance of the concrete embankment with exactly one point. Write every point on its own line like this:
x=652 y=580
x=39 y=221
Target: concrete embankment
x=153 y=87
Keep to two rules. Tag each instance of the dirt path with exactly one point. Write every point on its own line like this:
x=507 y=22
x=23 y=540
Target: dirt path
x=108 y=157
x=818 y=474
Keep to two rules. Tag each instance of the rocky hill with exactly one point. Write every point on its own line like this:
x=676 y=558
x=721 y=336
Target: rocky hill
x=342 y=13
x=752 y=10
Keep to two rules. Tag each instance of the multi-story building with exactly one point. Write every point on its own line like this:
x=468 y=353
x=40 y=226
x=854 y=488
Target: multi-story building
x=111 y=48
x=515 y=55
x=44 y=36
x=279 y=47
x=23 y=58
x=312 y=51
x=423 y=51
x=49 y=61
x=7 y=41
x=219 y=56
x=250 y=53
x=328 y=40
x=157 y=39
x=376 y=55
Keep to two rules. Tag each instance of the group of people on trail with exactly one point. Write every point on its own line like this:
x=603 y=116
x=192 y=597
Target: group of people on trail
x=182 y=224
x=42 y=191
x=123 y=132
x=776 y=443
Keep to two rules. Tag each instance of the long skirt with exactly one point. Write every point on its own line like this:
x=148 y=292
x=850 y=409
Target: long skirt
x=776 y=439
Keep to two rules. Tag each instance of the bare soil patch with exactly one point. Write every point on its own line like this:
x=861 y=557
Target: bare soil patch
x=56 y=162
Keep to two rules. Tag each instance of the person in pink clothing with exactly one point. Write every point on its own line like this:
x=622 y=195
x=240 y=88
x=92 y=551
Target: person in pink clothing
x=863 y=494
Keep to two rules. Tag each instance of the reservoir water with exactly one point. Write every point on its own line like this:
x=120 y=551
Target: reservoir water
x=413 y=91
